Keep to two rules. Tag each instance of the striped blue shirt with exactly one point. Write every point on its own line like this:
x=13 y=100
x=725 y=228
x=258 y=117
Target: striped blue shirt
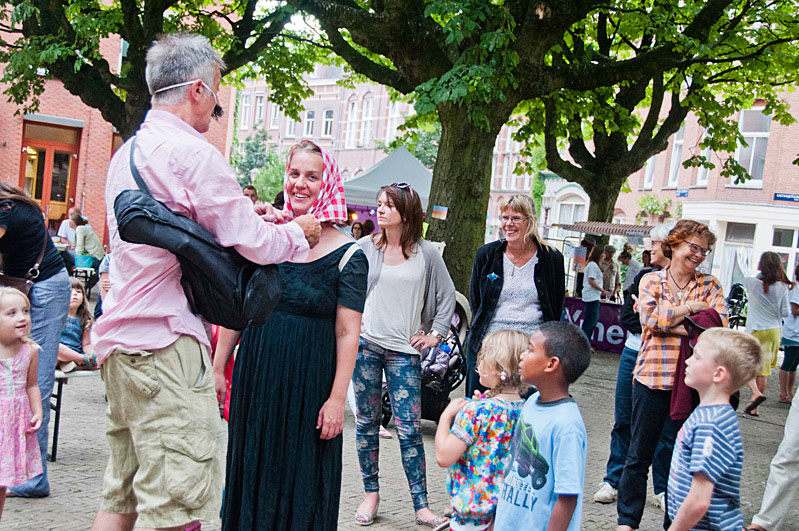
x=709 y=442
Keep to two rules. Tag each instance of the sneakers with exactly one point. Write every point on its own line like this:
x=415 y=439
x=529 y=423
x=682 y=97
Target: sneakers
x=606 y=494
x=659 y=501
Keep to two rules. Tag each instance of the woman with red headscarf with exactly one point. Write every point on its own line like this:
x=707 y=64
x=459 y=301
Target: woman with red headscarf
x=291 y=374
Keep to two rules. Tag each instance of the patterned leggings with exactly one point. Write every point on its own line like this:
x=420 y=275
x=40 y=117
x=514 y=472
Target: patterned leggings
x=404 y=379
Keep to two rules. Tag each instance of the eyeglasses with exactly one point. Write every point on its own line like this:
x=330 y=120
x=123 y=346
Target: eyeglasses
x=218 y=111
x=651 y=244
x=516 y=220
x=696 y=249
x=402 y=186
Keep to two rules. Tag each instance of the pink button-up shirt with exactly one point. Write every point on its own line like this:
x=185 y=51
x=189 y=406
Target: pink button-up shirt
x=146 y=308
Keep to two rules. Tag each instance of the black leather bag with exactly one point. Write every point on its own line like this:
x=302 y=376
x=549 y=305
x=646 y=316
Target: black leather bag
x=222 y=286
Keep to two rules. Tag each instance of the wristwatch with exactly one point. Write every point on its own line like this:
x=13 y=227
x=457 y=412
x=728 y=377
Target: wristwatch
x=438 y=335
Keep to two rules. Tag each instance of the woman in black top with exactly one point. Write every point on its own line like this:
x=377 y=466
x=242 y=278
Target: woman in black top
x=22 y=234
x=521 y=272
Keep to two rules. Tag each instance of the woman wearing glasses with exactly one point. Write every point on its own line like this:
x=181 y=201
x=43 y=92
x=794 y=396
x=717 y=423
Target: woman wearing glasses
x=666 y=298
x=517 y=283
x=409 y=305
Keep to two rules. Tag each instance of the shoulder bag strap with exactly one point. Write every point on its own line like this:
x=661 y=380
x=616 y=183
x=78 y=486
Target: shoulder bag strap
x=33 y=272
x=135 y=171
x=347 y=255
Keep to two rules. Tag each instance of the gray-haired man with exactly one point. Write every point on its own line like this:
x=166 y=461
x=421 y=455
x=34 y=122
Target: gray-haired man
x=164 y=430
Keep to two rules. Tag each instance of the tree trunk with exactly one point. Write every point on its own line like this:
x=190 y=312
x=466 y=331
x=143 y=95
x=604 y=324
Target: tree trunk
x=461 y=183
x=603 y=191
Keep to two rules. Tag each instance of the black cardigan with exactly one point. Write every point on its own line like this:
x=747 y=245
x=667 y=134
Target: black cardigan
x=629 y=317
x=486 y=285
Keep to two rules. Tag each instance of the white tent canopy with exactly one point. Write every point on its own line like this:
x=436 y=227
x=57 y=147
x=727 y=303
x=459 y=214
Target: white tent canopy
x=399 y=166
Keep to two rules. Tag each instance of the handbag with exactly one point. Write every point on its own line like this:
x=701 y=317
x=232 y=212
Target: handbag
x=221 y=285
x=25 y=284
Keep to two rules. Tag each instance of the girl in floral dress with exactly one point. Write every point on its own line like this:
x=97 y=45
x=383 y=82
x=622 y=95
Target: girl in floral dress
x=20 y=401
x=474 y=446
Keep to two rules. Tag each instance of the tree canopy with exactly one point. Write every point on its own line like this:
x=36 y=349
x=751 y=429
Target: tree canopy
x=62 y=39
x=477 y=63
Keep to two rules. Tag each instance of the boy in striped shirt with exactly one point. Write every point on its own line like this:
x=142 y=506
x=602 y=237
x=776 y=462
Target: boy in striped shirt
x=705 y=476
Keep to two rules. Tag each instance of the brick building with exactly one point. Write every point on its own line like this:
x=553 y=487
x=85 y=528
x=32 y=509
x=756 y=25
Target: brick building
x=60 y=154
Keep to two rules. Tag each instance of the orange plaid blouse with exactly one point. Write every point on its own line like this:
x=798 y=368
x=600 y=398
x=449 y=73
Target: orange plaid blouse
x=657 y=359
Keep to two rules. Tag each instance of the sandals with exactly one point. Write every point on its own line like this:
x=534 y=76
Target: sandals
x=434 y=523
x=367 y=518
x=753 y=405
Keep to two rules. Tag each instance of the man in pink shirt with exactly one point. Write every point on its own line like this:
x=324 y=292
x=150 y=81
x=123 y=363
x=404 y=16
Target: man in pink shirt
x=164 y=430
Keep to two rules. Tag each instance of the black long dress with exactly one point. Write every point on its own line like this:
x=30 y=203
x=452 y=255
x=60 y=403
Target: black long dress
x=280 y=474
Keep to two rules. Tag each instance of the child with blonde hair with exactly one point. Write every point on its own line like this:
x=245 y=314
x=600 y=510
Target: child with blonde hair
x=20 y=400
x=705 y=478
x=473 y=437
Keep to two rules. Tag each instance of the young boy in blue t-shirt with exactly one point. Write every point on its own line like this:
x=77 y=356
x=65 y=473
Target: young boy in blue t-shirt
x=705 y=477
x=543 y=483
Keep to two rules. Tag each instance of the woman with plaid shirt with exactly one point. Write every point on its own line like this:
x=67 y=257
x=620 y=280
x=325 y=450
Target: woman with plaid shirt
x=666 y=298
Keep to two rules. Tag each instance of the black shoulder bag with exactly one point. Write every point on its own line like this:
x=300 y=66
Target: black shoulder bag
x=221 y=286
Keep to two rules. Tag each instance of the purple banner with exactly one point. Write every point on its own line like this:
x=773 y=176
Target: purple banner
x=609 y=335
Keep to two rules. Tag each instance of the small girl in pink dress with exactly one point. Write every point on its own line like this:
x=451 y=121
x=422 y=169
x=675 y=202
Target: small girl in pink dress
x=20 y=400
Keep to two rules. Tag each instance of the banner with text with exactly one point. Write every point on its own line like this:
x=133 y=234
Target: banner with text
x=609 y=335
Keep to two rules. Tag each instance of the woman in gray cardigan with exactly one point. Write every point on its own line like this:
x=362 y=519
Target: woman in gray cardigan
x=409 y=305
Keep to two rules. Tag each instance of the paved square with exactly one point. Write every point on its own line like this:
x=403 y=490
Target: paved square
x=76 y=477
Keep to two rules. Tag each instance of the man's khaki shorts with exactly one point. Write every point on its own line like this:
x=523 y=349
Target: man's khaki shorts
x=165 y=435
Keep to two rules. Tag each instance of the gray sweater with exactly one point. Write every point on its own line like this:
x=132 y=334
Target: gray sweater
x=439 y=291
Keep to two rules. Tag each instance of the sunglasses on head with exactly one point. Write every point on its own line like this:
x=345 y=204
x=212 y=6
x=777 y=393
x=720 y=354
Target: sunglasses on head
x=402 y=186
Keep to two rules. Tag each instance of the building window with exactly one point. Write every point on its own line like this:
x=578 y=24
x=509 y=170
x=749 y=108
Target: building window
x=676 y=158
x=649 y=172
x=309 y=121
x=738 y=255
x=290 y=126
x=507 y=173
x=754 y=126
x=570 y=212
x=366 y=127
x=274 y=120
x=785 y=242
x=244 y=115
x=496 y=173
x=393 y=122
x=701 y=173
x=327 y=129
x=352 y=124
x=259 y=110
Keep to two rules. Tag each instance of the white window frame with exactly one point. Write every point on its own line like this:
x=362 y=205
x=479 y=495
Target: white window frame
x=676 y=158
x=259 y=109
x=649 y=173
x=274 y=119
x=392 y=122
x=495 y=172
x=291 y=127
x=507 y=173
x=244 y=114
x=702 y=172
x=366 y=121
x=562 y=233
x=352 y=124
x=792 y=251
x=310 y=118
x=327 y=123
x=756 y=181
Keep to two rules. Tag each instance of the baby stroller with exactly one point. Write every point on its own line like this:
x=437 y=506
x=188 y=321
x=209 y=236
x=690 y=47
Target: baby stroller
x=443 y=367
x=736 y=302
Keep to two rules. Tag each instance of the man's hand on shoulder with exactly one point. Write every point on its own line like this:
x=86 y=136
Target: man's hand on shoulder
x=268 y=212
x=311 y=227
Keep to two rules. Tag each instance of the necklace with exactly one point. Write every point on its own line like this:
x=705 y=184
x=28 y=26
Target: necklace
x=680 y=293
x=513 y=263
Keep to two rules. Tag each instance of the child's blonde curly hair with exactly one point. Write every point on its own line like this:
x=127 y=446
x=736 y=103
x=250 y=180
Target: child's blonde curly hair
x=501 y=352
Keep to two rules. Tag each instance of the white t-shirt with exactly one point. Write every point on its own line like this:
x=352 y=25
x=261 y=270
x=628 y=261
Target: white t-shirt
x=518 y=307
x=765 y=310
x=393 y=311
x=66 y=232
x=590 y=294
x=790 y=324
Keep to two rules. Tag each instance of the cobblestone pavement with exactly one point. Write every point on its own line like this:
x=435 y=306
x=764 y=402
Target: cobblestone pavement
x=76 y=477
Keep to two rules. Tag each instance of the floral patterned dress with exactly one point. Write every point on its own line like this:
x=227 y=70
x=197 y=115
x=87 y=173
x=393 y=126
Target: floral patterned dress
x=487 y=427
x=20 y=459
